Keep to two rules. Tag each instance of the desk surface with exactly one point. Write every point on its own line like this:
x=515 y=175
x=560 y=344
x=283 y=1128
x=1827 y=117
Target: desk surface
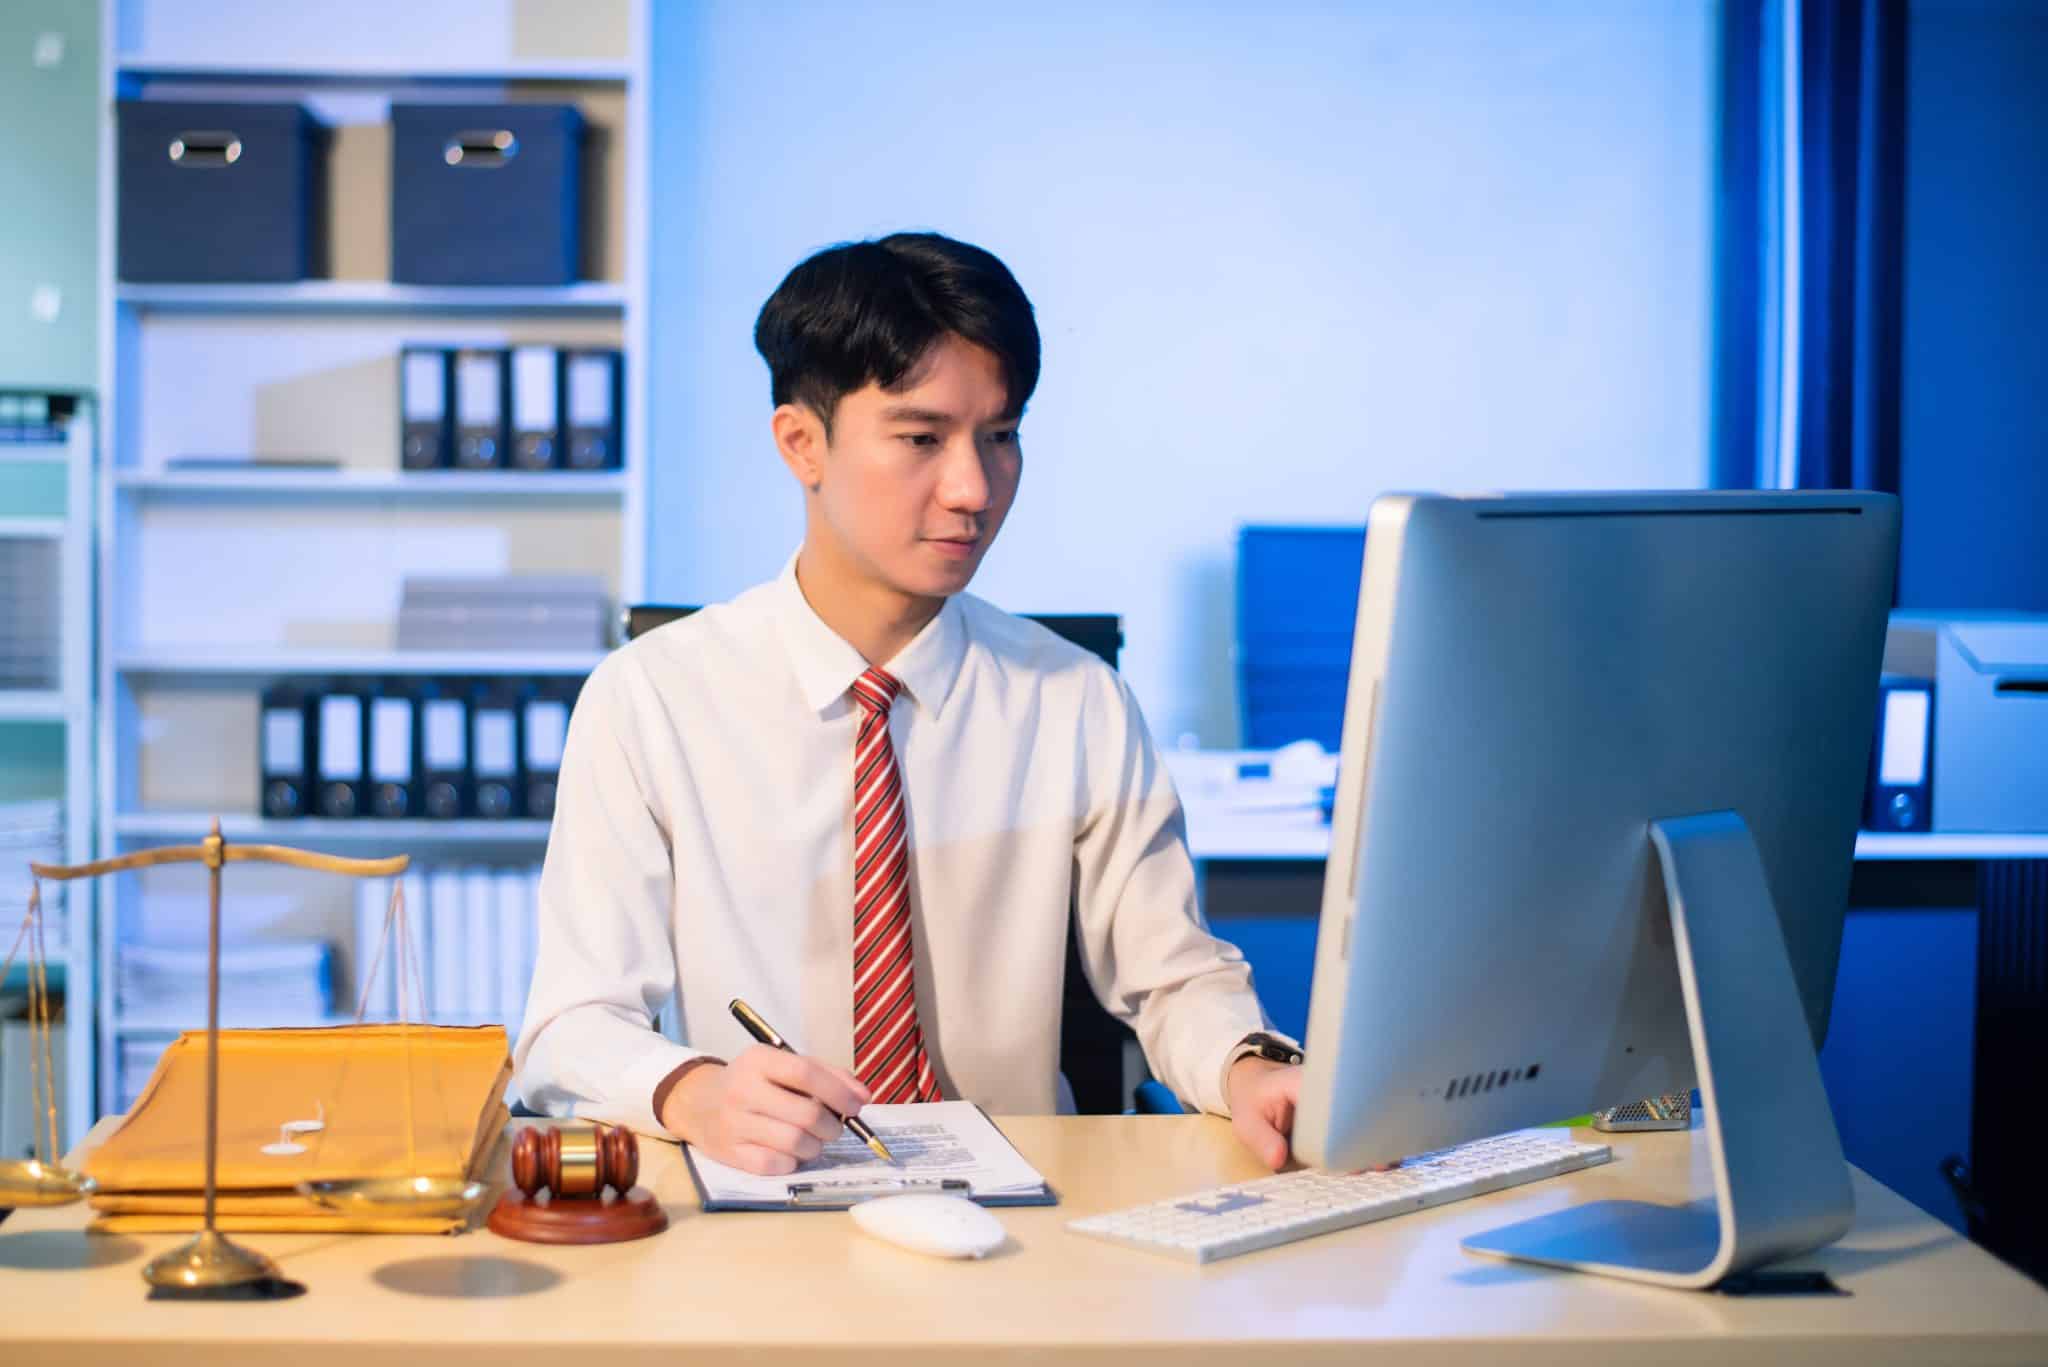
x=810 y=1287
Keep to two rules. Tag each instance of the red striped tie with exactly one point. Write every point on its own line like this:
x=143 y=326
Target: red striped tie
x=888 y=1045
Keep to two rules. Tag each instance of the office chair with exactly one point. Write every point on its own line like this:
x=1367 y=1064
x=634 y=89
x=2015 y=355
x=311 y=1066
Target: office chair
x=1091 y=1040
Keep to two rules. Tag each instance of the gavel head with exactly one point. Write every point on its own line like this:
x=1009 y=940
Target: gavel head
x=575 y=1161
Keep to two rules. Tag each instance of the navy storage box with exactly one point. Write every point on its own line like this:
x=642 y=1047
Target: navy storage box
x=1297 y=607
x=220 y=193
x=486 y=194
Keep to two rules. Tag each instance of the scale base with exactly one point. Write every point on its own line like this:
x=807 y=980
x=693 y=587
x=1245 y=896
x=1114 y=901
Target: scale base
x=209 y=1262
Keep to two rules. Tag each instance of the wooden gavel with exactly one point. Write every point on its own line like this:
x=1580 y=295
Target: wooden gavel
x=572 y=1161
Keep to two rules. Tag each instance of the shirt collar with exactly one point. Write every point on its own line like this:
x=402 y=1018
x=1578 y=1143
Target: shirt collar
x=826 y=665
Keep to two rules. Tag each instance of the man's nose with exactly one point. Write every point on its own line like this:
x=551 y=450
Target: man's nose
x=963 y=484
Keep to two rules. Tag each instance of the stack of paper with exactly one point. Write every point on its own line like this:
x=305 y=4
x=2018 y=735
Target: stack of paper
x=30 y=831
x=473 y=931
x=934 y=1143
x=279 y=982
x=352 y=1079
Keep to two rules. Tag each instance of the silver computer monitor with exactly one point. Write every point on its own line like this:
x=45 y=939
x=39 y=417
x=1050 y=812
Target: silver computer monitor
x=1602 y=765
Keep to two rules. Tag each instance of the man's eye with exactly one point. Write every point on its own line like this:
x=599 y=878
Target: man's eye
x=921 y=439
x=1006 y=437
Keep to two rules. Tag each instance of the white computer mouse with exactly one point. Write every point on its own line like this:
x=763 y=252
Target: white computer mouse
x=943 y=1226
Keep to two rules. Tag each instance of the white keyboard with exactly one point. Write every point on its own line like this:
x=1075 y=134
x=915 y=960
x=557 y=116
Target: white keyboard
x=1247 y=1216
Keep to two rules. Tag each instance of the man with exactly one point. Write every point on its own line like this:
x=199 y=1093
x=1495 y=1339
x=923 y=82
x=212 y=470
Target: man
x=861 y=799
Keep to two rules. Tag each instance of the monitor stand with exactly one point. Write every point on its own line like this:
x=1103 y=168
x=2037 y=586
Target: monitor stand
x=1781 y=1185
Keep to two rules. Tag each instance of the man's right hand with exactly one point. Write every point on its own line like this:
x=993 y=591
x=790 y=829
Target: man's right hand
x=764 y=1112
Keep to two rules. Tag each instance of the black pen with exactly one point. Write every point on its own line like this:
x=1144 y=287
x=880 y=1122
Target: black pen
x=764 y=1032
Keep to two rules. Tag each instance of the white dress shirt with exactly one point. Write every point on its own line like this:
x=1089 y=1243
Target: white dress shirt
x=702 y=845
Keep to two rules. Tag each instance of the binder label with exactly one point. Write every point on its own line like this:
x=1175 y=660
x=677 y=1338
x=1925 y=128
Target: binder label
x=391 y=740
x=533 y=388
x=420 y=385
x=590 y=391
x=341 y=737
x=1902 y=756
x=494 y=749
x=284 y=741
x=442 y=735
x=476 y=388
x=547 y=730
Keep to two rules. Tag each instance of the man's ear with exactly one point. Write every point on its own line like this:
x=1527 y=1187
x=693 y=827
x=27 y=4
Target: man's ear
x=800 y=438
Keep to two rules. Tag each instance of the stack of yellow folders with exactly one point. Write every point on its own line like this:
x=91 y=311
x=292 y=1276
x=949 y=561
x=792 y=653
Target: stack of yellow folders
x=275 y=1087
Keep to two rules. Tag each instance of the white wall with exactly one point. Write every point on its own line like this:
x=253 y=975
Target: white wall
x=1284 y=257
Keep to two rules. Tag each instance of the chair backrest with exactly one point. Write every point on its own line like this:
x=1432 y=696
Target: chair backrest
x=1091 y=1040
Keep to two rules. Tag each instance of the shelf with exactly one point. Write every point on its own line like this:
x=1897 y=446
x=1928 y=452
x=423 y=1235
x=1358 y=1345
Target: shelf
x=1950 y=845
x=231 y=662
x=1212 y=836
x=141 y=66
x=600 y=297
x=32 y=528
x=153 y=1023
x=190 y=827
x=17 y=976
x=274 y=483
x=34 y=453
x=36 y=704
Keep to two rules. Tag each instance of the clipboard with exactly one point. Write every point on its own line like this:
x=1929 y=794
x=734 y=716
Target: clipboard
x=823 y=1192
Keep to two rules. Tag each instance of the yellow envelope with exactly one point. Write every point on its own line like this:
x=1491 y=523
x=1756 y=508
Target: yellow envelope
x=357 y=1077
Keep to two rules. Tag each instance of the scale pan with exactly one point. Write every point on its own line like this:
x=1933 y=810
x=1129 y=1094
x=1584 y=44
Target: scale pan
x=26 y=1182
x=424 y=1197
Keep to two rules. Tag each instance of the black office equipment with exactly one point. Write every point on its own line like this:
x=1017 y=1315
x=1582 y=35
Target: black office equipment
x=593 y=383
x=1092 y=1041
x=536 y=407
x=342 y=776
x=494 y=748
x=2007 y=1179
x=486 y=194
x=482 y=395
x=444 y=749
x=544 y=730
x=216 y=192
x=394 y=751
x=290 y=727
x=426 y=400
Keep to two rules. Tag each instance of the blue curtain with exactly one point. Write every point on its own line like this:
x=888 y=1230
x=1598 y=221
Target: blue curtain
x=1808 y=244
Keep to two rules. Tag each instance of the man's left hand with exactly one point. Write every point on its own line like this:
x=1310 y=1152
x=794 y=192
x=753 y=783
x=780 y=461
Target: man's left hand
x=1262 y=1095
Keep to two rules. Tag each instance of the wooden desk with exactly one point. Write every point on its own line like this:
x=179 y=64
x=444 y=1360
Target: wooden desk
x=811 y=1288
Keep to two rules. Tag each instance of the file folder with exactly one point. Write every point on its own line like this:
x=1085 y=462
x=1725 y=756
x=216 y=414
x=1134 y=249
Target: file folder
x=341 y=736
x=447 y=942
x=494 y=749
x=544 y=731
x=593 y=388
x=482 y=379
x=1902 y=761
x=394 y=752
x=444 y=750
x=536 y=407
x=423 y=405
x=289 y=727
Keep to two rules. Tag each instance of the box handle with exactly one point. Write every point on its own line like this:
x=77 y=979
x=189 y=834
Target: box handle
x=482 y=148
x=202 y=148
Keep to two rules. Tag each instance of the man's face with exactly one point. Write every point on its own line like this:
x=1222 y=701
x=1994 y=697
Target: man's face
x=915 y=482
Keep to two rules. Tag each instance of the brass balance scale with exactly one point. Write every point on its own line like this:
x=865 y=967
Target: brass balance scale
x=210 y=1262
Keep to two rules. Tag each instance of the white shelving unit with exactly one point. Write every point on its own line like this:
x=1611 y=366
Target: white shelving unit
x=215 y=582
x=328 y=485
x=264 y=662
x=317 y=297
x=69 y=706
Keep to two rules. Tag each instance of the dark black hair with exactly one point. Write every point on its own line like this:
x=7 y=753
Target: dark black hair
x=869 y=312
